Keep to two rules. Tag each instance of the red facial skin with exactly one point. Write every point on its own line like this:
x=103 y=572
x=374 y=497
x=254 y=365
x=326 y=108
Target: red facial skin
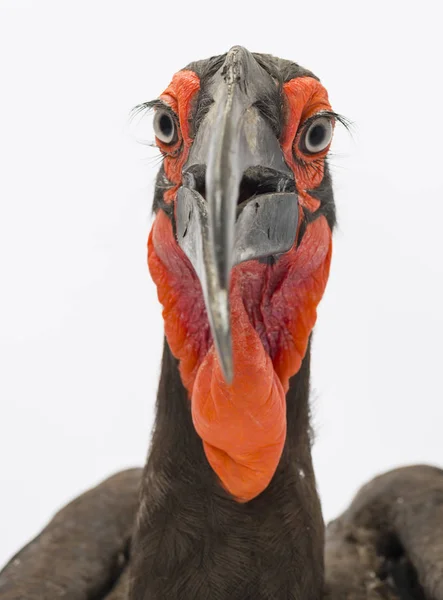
x=273 y=310
x=179 y=95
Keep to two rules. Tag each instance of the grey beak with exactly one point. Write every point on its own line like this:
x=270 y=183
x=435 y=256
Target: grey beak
x=217 y=227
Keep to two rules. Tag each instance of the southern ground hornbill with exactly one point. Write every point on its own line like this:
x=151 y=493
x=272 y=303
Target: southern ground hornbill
x=240 y=251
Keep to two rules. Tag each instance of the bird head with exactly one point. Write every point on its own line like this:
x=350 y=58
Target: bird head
x=241 y=243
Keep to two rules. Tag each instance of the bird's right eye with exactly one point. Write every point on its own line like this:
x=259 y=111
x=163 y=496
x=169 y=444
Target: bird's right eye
x=164 y=127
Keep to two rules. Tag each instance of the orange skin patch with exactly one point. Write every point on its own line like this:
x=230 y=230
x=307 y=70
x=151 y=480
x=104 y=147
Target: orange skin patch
x=305 y=97
x=179 y=291
x=178 y=95
x=273 y=311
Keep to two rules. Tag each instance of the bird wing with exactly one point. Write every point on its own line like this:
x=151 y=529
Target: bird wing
x=388 y=545
x=83 y=552
x=389 y=542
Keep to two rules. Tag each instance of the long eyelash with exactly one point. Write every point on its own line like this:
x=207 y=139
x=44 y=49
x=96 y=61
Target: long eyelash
x=316 y=164
x=145 y=108
x=152 y=161
x=311 y=165
x=148 y=106
x=156 y=160
x=347 y=123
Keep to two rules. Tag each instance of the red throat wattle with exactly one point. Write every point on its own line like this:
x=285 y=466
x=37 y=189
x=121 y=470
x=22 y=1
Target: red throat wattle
x=273 y=311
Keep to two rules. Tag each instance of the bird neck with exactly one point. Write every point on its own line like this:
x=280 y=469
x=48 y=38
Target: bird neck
x=192 y=537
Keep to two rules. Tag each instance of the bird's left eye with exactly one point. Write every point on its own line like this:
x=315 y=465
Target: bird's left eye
x=164 y=127
x=317 y=136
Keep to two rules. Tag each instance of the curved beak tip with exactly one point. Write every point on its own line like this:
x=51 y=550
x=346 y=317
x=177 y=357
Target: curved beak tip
x=227 y=369
x=226 y=362
x=220 y=319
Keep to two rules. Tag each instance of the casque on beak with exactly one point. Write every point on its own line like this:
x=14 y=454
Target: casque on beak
x=217 y=227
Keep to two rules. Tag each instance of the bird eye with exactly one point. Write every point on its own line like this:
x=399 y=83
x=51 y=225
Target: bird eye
x=318 y=136
x=164 y=127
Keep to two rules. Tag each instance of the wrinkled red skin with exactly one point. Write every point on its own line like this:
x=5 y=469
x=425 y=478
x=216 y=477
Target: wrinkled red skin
x=273 y=311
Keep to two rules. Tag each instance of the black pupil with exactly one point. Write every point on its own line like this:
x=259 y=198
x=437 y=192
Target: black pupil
x=166 y=125
x=317 y=135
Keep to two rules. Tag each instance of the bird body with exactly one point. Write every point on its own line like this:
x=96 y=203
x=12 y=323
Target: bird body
x=240 y=251
x=224 y=510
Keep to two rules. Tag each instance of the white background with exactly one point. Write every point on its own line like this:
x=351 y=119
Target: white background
x=81 y=330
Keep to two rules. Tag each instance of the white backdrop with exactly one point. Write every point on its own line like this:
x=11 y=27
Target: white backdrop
x=80 y=325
